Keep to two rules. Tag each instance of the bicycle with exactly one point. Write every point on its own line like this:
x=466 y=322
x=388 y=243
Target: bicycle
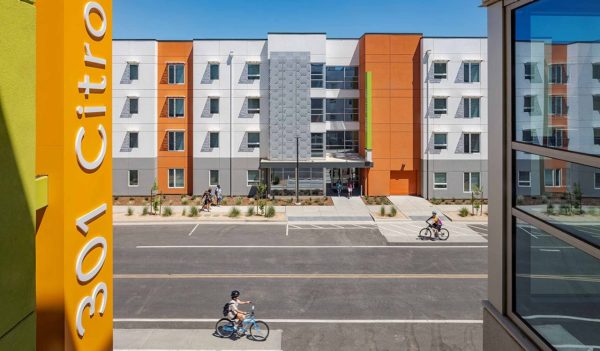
x=259 y=330
x=442 y=234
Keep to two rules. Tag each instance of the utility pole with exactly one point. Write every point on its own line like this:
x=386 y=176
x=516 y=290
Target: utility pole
x=230 y=123
x=297 y=170
x=427 y=129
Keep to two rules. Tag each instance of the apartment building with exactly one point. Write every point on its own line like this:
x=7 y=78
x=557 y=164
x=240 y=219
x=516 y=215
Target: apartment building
x=303 y=110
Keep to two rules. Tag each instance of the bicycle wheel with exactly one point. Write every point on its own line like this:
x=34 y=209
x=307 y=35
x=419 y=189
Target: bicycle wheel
x=259 y=331
x=443 y=234
x=224 y=328
x=425 y=232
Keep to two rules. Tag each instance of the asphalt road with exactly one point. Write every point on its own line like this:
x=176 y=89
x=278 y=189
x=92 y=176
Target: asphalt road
x=329 y=288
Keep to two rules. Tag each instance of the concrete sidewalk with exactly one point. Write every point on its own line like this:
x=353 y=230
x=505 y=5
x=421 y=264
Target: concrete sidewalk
x=343 y=209
x=188 y=339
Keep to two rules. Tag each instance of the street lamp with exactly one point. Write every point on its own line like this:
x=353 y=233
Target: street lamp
x=297 y=171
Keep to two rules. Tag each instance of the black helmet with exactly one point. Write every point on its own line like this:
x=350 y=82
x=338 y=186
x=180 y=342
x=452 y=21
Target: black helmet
x=235 y=294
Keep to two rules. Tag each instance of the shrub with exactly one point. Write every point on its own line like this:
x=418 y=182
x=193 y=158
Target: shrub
x=250 y=211
x=436 y=201
x=238 y=201
x=382 y=211
x=261 y=206
x=378 y=201
x=463 y=212
x=224 y=202
x=393 y=212
x=550 y=209
x=145 y=211
x=290 y=201
x=193 y=211
x=521 y=200
x=270 y=212
x=184 y=201
x=167 y=211
x=234 y=212
x=129 y=211
x=193 y=197
x=184 y=212
x=592 y=211
x=565 y=210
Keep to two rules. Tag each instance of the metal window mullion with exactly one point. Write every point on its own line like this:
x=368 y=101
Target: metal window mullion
x=569 y=156
x=557 y=233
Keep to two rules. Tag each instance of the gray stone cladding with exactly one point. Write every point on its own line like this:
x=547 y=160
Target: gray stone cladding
x=289 y=92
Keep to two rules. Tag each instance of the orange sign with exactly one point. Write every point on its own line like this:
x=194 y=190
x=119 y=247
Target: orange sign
x=74 y=238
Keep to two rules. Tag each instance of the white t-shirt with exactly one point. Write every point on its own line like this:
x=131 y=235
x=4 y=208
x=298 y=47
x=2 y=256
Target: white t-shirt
x=233 y=308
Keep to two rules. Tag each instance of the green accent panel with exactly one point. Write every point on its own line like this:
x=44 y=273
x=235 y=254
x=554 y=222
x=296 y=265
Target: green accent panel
x=17 y=175
x=369 y=110
x=41 y=192
x=21 y=337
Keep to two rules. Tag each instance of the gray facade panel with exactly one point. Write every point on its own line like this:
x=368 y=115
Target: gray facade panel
x=146 y=168
x=454 y=170
x=239 y=168
x=289 y=105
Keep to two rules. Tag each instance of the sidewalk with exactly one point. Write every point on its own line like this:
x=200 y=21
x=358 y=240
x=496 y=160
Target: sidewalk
x=343 y=209
x=415 y=208
x=188 y=339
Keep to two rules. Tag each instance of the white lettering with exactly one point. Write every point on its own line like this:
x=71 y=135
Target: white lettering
x=89 y=58
x=90 y=166
x=96 y=33
x=88 y=86
x=91 y=302
x=82 y=221
x=91 y=110
x=86 y=277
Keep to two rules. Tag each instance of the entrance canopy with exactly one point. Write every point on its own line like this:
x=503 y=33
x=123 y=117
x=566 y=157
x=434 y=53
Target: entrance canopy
x=330 y=161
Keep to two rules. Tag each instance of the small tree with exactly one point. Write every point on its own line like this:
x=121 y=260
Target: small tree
x=577 y=198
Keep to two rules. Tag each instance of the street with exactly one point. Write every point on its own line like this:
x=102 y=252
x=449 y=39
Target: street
x=326 y=287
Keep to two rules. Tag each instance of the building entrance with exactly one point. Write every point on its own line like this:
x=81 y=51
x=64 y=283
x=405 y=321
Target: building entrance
x=344 y=176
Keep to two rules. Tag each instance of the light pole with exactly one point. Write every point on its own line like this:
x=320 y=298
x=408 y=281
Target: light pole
x=427 y=125
x=297 y=171
x=230 y=123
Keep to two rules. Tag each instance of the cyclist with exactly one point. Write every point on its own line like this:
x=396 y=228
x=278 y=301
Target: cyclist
x=437 y=222
x=234 y=312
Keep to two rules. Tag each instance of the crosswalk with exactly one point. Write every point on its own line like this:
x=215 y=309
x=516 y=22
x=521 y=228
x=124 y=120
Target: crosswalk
x=331 y=226
x=407 y=232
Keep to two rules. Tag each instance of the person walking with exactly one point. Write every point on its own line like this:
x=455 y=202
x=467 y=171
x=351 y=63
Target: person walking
x=338 y=186
x=206 y=200
x=350 y=187
x=219 y=193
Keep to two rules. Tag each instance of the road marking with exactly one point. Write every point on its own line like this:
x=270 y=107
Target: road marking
x=190 y=234
x=287 y=229
x=159 y=223
x=299 y=276
x=319 y=321
x=441 y=246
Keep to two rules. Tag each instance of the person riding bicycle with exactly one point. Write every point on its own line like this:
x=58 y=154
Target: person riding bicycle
x=234 y=312
x=437 y=222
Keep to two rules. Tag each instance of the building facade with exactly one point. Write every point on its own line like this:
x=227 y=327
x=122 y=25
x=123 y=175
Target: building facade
x=544 y=251
x=299 y=110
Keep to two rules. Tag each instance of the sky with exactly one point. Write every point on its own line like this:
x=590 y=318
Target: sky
x=190 y=19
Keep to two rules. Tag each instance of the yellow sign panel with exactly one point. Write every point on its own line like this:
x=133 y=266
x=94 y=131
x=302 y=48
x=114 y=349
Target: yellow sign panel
x=74 y=238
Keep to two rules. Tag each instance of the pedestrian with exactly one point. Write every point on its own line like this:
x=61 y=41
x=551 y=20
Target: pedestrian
x=219 y=193
x=206 y=200
x=339 y=188
x=350 y=187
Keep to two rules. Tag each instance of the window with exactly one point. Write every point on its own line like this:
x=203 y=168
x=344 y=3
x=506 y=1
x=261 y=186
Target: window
x=132 y=177
x=316 y=75
x=596 y=102
x=596 y=136
x=176 y=178
x=176 y=107
x=133 y=140
x=134 y=71
x=596 y=70
x=253 y=105
x=214 y=139
x=471 y=107
x=316 y=110
x=253 y=177
x=316 y=144
x=552 y=177
x=440 y=106
x=214 y=105
x=440 y=181
x=440 y=70
x=558 y=105
x=253 y=71
x=558 y=138
x=525 y=179
x=528 y=101
x=471 y=143
x=133 y=105
x=440 y=141
x=596 y=180
x=471 y=72
x=557 y=73
x=341 y=77
x=530 y=70
x=213 y=177
x=342 y=141
x=253 y=140
x=471 y=180
x=341 y=110
x=176 y=73
x=176 y=141
x=529 y=136
x=214 y=71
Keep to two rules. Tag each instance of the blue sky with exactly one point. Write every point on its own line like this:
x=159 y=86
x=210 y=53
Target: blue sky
x=188 y=19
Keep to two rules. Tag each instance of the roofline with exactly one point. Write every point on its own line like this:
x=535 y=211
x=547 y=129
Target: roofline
x=229 y=39
x=389 y=33
x=298 y=33
x=450 y=37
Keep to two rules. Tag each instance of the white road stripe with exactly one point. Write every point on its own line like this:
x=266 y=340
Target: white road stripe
x=158 y=223
x=287 y=229
x=309 y=247
x=196 y=226
x=319 y=321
